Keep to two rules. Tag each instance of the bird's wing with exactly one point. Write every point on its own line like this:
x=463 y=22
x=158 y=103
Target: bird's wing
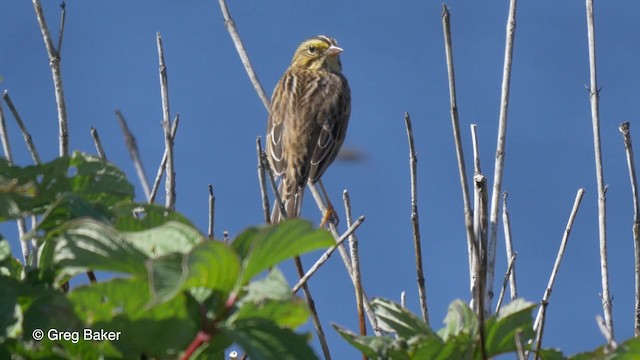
x=333 y=123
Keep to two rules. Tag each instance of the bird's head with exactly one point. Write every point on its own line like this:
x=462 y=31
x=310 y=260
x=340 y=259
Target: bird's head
x=318 y=53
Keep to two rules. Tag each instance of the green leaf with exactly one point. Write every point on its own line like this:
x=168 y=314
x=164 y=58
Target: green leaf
x=500 y=332
x=264 y=340
x=86 y=243
x=138 y=217
x=460 y=319
x=211 y=265
x=374 y=347
x=273 y=244
x=394 y=318
x=271 y=299
x=31 y=189
x=119 y=305
x=66 y=207
x=169 y=237
x=456 y=347
x=10 y=310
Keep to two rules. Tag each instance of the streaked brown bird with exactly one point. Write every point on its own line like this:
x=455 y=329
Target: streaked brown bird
x=308 y=119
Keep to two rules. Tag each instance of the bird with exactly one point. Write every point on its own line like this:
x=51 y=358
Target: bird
x=308 y=119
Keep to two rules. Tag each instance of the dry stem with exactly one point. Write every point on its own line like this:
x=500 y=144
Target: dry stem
x=355 y=261
x=509 y=246
x=415 y=222
x=539 y=323
x=212 y=209
x=500 y=148
x=23 y=129
x=594 y=95
x=132 y=146
x=163 y=162
x=455 y=124
x=626 y=136
x=170 y=180
x=54 y=62
x=98 y=144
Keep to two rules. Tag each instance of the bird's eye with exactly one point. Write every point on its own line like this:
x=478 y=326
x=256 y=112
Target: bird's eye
x=312 y=49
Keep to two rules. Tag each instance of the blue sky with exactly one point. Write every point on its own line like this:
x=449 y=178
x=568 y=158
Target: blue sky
x=394 y=60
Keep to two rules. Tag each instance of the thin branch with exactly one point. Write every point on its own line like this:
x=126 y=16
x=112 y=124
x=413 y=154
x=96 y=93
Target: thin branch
x=233 y=32
x=170 y=180
x=23 y=129
x=276 y=191
x=480 y=228
x=509 y=246
x=163 y=162
x=355 y=261
x=63 y=16
x=455 y=124
x=301 y=273
x=594 y=96
x=312 y=308
x=556 y=266
x=305 y=277
x=500 y=147
x=626 y=136
x=345 y=258
x=56 y=73
x=606 y=332
x=132 y=146
x=212 y=208
x=262 y=180
x=415 y=221
x=98 y=143
x=507 y=276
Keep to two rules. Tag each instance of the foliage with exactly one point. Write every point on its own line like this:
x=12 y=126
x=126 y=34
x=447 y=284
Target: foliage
x=179 y=294
x=461 y=338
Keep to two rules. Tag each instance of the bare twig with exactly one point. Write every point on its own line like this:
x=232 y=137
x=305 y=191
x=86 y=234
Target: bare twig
x=98 y=143
x=132 y=146
x=305 y=277
x=355 y=261
x=500 y=148
x=312 y=308
x=345 y=259
x=507 y=276
x=299 y=267
x=170 y=180
x=594 y=96
x=262 y=180
x=54 y=62
x=556 y=266
x=509 y=246
x=466 y=198
x=606 y=332
x=212 y=209
x=480 y=229
x=163 y=162
x=23 y=129
x=626 y=136
x=63 y=16
x=415 y=221
x=233 y=32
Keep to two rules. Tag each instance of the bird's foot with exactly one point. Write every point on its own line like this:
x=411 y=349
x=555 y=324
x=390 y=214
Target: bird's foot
x=330 y=217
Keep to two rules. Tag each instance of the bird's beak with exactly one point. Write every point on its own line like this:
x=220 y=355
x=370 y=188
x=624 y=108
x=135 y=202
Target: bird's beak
x=333 y=50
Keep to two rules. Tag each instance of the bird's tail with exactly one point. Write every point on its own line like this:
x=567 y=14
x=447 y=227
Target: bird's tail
x=292 y=205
